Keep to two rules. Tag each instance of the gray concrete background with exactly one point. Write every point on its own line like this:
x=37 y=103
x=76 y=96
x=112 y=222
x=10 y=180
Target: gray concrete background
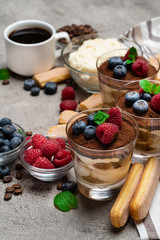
x=32 y=215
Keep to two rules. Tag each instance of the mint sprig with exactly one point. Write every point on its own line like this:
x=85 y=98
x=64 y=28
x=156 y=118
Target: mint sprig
x=4 y=74
x=149 y=87
x=100 y=117
x=65 y=201
x=132 y=55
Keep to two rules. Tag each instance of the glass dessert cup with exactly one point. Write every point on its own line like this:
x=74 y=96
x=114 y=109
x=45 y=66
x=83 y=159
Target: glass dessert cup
x=101 y=173
x=109 y=86
x=148 y=141
x=85 y=79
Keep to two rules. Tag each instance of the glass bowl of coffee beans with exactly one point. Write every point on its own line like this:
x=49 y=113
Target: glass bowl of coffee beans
x=12 y=138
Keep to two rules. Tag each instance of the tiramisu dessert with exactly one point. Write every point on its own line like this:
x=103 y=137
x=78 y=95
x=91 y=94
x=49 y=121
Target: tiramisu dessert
x=103 y=142
x=141 y=100
x=116 y=70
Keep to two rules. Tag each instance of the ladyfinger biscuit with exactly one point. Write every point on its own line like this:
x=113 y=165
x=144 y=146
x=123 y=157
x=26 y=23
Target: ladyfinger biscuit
x=65 y=116
x=93 y=101
x=58 y=130
x=55 y=75
x=120 y=210
x=142 y=199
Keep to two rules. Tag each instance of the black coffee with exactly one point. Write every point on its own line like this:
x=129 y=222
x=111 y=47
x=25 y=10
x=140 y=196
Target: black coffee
x=30 y=35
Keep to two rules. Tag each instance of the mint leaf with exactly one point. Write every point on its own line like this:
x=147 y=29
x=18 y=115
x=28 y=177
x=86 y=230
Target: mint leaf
x=146 y=86
x=4 y=74
x=128 y=61
x=65 y=201
x=133 y=53
x=18 y=130
x=100 y=117
x=154 y=86
x=157 y=90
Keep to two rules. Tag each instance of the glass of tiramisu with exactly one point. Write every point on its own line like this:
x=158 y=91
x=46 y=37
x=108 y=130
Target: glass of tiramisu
x=141 y=100
x=102 y=141
x=116 y=68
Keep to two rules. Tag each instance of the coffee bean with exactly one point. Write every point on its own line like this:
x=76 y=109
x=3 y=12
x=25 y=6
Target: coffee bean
x=7 y=179
x=19 y=175
x=29 y=133
x=16 y=186
x=9 y=190
x=59 y=186
x=18 y=191
x=5 y=82
x=7 y=196
x=18 y=166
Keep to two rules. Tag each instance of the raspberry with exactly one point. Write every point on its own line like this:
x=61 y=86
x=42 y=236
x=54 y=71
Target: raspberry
x=30 y=142
x=43 y=162
x=115 y=116
x=38 y=140
x=68 y=93
x=140 y=67
x=68 y=105
x=61 y=142
x=30 y=155
x=50 y=148
x=126 y=56
x=62 y=158
x=141 y=90
x=155 y=103
x=106 y=132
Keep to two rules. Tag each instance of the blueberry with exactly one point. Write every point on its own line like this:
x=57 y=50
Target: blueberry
x=8 y=129
x=4 y=148
x=4 y=170
x=1 y=134
x=79 y=127
x=131 y=97
x=5 y=121
x=50 y=88
x=15 y=142
x=127 y=66
x=89 y=132
x=119 y=72
x=90 y=119
x=1 y=142
x=35 y=91
x=6 y=142
x=29 y=84
x=145 y=96
x=140 y=107
x=69 y=186
x=113 y=62
x=18 y=134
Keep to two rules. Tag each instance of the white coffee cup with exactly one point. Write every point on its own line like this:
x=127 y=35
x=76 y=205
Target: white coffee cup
x=29 y=59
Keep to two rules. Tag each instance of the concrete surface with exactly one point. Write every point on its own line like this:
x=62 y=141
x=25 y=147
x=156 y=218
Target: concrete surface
x=32 y=215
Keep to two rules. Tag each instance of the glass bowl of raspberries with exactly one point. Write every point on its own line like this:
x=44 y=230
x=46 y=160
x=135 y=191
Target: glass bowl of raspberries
x=46 y=157
x=12 y=138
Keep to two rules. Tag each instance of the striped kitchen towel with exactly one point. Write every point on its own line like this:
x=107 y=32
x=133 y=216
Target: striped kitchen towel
x=149 y=228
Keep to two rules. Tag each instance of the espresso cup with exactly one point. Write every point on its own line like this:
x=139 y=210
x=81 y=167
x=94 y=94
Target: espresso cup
x=27 y=59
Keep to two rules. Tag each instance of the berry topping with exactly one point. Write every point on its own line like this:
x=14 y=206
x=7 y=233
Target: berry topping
x=68 y=105
x=131 y=97
x=107 y=132
x=90 y=119
x=15 y=142
x=35 y=91
x=126 y=56
x=50 y=148
x=127 y=66
x=38 y=140
x=141 y=90
x=131 y=55
x=140 y=107
x=4 y=171
x=62 y=158
x=140 y=67
x=68 y=93
x=50 y=88
x=90 y=132
x=61 y=142
x=5 y=121
x=115 y=116
x=119 y=72
x=155 y=103
x=8 y=129
x=79 y=127
x=113 y=62
x=30 y=155
x=145 y=96
x=42 y=162
x=29 y=84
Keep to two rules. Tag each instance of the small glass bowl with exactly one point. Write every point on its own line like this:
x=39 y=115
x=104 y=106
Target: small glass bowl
x=101 y=173
x=46 y=175
x=10 y=156
x=109 y=86
x=148 y=141
x=86 y=80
